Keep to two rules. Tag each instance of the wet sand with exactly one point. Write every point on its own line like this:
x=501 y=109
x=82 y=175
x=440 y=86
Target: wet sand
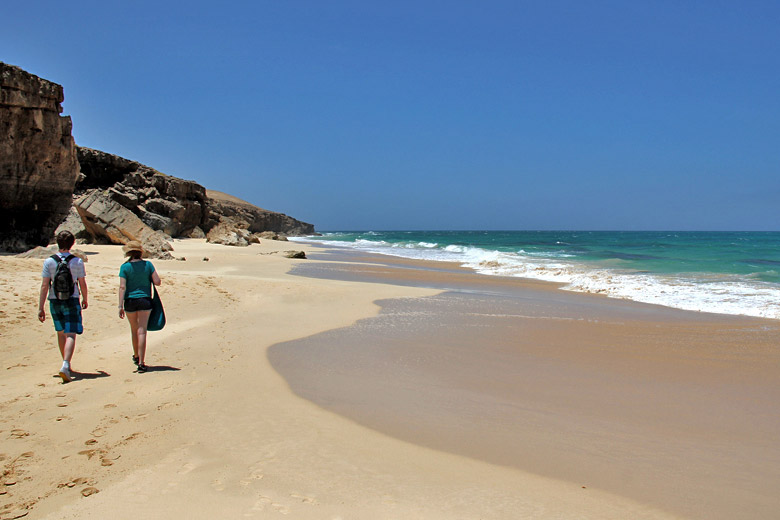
x=674 y=409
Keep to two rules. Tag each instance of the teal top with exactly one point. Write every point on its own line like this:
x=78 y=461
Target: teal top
x=139 y=278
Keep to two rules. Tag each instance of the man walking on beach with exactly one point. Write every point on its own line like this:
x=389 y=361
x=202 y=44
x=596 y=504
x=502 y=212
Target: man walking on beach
x=65 y=308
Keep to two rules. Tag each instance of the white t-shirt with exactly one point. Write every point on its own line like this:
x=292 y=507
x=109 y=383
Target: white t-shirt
x=77 y=271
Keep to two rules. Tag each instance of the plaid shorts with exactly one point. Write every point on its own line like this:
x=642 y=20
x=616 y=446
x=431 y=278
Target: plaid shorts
x=66 y=315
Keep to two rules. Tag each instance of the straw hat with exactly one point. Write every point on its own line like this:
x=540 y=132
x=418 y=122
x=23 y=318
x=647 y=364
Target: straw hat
x=133 y=245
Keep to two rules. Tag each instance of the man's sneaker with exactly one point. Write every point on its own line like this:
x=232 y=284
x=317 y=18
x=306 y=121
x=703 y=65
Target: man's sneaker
x=66 y=375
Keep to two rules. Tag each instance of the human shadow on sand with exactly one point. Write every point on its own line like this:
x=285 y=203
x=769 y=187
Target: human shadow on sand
x=77 y=376
x=160 y=368
x=90 y=375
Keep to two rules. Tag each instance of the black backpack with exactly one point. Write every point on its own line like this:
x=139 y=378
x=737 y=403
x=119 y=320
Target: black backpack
x=63 y=280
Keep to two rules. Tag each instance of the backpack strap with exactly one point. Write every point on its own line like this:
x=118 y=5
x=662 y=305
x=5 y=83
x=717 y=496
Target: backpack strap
x=59 y=259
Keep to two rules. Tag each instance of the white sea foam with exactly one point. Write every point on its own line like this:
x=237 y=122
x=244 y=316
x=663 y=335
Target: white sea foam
x=726 y=294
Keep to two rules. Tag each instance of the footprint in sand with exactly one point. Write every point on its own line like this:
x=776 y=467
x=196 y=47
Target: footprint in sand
x=87 y=491
x=73 y=483
x=263 y=502
x=186 y=468
x=255 y=474
x=17 y=433
x=89 y=453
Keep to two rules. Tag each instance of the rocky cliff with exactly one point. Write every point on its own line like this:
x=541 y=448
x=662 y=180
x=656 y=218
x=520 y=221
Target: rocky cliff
x=45 y=177
x=164 y=203
x=173 y=206
x=38 y=163
x=258 y=220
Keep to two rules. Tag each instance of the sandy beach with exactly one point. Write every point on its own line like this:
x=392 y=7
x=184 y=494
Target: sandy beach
x=335 y=388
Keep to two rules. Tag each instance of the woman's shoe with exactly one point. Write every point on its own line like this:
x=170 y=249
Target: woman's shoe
x=135 y=360
x=142 y=368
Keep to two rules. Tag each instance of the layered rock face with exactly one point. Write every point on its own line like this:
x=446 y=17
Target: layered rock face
x=258 y=220
x=109 y=221
x=164 y=203
x=38 y=162
x=169 y=205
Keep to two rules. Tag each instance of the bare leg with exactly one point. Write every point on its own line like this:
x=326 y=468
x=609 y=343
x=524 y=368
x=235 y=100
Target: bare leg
x=132 y=319
x=61 y=341
x=67 y=344
x=138 y=322
x=143 y=321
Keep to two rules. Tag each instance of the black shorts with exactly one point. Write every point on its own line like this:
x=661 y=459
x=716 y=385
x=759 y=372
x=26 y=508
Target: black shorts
x=138 y=304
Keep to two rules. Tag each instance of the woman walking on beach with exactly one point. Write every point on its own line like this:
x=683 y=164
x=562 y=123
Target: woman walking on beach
x=136 y=277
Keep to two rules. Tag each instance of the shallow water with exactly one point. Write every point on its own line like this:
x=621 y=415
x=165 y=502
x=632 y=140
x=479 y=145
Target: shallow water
x=725 y=272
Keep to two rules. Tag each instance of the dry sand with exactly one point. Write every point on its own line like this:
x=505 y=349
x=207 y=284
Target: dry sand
x=212 y=431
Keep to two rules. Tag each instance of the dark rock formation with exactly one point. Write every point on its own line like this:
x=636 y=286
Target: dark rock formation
x=42 y=172
x=177 y=207
x=38 y=164
x=109 y=221
x=164 y=203
x=257 y=219
x=75 y=225
x=270 y=235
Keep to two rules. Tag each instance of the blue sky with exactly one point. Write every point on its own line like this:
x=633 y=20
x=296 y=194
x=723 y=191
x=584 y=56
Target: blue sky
x=432 y=114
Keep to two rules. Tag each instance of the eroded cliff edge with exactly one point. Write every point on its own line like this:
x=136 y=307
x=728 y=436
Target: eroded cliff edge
x=172 y=206
x=38 y=163
x=45 y=177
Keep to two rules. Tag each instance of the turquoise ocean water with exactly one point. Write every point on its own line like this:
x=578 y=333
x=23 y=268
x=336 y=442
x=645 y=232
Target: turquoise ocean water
x=724 y=272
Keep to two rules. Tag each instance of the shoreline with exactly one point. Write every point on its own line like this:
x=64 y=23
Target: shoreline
x=214 y=430
x=641 y=389
x=728 y=289
x=350 y=265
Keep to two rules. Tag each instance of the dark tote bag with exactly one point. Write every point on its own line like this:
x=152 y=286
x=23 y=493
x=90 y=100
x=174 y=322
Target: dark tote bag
x=157 y=316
